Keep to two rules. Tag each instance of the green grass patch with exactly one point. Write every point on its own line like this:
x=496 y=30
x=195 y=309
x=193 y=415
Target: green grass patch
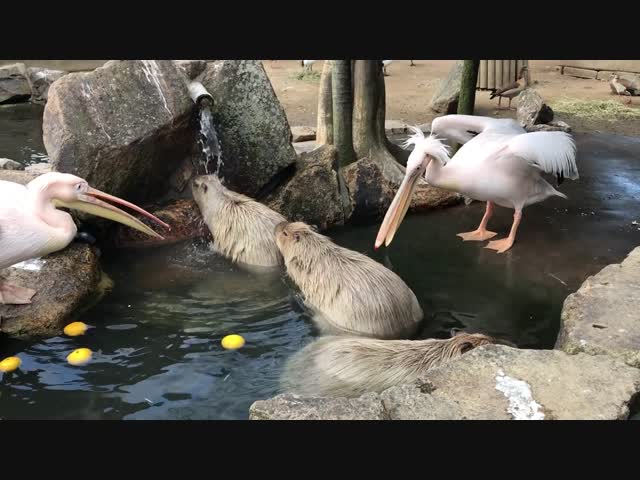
x=307 y=75
x=610 y=110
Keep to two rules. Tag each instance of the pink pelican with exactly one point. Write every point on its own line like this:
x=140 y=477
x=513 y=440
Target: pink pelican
x=499 y=163
x=31 y=226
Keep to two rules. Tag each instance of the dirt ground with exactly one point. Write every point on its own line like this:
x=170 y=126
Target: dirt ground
x=409 y=90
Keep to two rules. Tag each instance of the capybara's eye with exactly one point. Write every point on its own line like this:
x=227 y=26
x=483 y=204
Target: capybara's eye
x=205 y=188
x=285 y=233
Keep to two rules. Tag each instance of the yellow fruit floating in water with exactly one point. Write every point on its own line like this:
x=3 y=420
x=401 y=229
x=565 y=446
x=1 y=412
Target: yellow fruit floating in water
x=79 y=357
x=10 y=364
x=76 y=328
x=232 y=342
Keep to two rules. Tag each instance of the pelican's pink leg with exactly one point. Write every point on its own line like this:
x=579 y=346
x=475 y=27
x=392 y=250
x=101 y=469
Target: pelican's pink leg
x=481 y=233
x=505 y=244
x=14 y=295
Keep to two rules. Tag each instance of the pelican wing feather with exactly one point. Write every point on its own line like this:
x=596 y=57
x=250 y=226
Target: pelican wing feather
x=462 y=128
x=19 y=238
x=553 y=152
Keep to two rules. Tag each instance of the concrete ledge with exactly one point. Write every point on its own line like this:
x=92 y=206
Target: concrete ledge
x=579 y=72
x=611 y=65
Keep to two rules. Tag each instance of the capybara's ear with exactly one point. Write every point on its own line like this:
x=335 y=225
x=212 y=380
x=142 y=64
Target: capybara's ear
x=456 y=331
x=465 y=347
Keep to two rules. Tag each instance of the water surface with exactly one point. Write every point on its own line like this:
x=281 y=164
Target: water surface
x=21 y=133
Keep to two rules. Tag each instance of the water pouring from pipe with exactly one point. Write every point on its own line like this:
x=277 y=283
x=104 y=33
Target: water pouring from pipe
x=208 y=138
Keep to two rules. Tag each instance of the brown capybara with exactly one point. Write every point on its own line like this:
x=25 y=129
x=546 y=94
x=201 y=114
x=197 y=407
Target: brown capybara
x=351 y=366
x=242 y=228
x=348 y=291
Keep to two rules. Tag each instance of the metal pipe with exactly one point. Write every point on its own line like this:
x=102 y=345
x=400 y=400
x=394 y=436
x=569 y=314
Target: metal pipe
x=199 y=94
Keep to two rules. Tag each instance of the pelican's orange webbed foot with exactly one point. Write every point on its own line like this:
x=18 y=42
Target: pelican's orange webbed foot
x=505 y=244
x=501 y=245
x=477 y=235
x=481 y=233
x=14 y=295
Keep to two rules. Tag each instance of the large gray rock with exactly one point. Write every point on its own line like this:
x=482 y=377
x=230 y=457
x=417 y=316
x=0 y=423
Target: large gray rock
x=413 y=402
x=371 y=192
x=191 y=68
x=40 y=79
x=303 y=134
x=123 y=127
x=489 y=383
x=445 y=99
x=17 y=176
x=14 y=86
x=555 y=126
x=253 y=131
x=631 y=81
x=39 y=168
x=8 y=164
x=304 y=147
x=65 y=281
x=294 y=407
x=499 y=382
x=532 y=110
x=312 y=195
x=603 y=317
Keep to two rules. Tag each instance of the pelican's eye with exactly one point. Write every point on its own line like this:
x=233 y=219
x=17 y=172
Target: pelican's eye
x=79 y=187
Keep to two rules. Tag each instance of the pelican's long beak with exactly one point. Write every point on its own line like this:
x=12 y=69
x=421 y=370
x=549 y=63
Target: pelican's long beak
x=90 y=202
x=398 y=208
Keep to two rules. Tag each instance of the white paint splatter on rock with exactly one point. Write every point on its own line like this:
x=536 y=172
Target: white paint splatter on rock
x=522 y=406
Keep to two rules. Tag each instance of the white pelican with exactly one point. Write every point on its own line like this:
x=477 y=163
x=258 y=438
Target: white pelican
x=31 y=226
x=499 y=163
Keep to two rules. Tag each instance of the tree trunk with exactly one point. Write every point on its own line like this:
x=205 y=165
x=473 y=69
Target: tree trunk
x=324 y=130
x=366 y=102
x=468 y=87
x=342 y=111
x=369 y=137
x=400 y=154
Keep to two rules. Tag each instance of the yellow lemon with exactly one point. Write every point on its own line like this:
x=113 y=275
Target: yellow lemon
x=78 y=357
x=76 y=328
x=232 y=342
x=9 y=364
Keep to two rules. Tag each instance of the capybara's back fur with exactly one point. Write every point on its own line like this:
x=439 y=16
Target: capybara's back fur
x=350 y=366
x=351 y=291
x=243 y=230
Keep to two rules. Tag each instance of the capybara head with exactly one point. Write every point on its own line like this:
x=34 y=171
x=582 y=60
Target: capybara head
x=468 y=341
x=290 y=234
x=242 y=228
x=204 y=186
